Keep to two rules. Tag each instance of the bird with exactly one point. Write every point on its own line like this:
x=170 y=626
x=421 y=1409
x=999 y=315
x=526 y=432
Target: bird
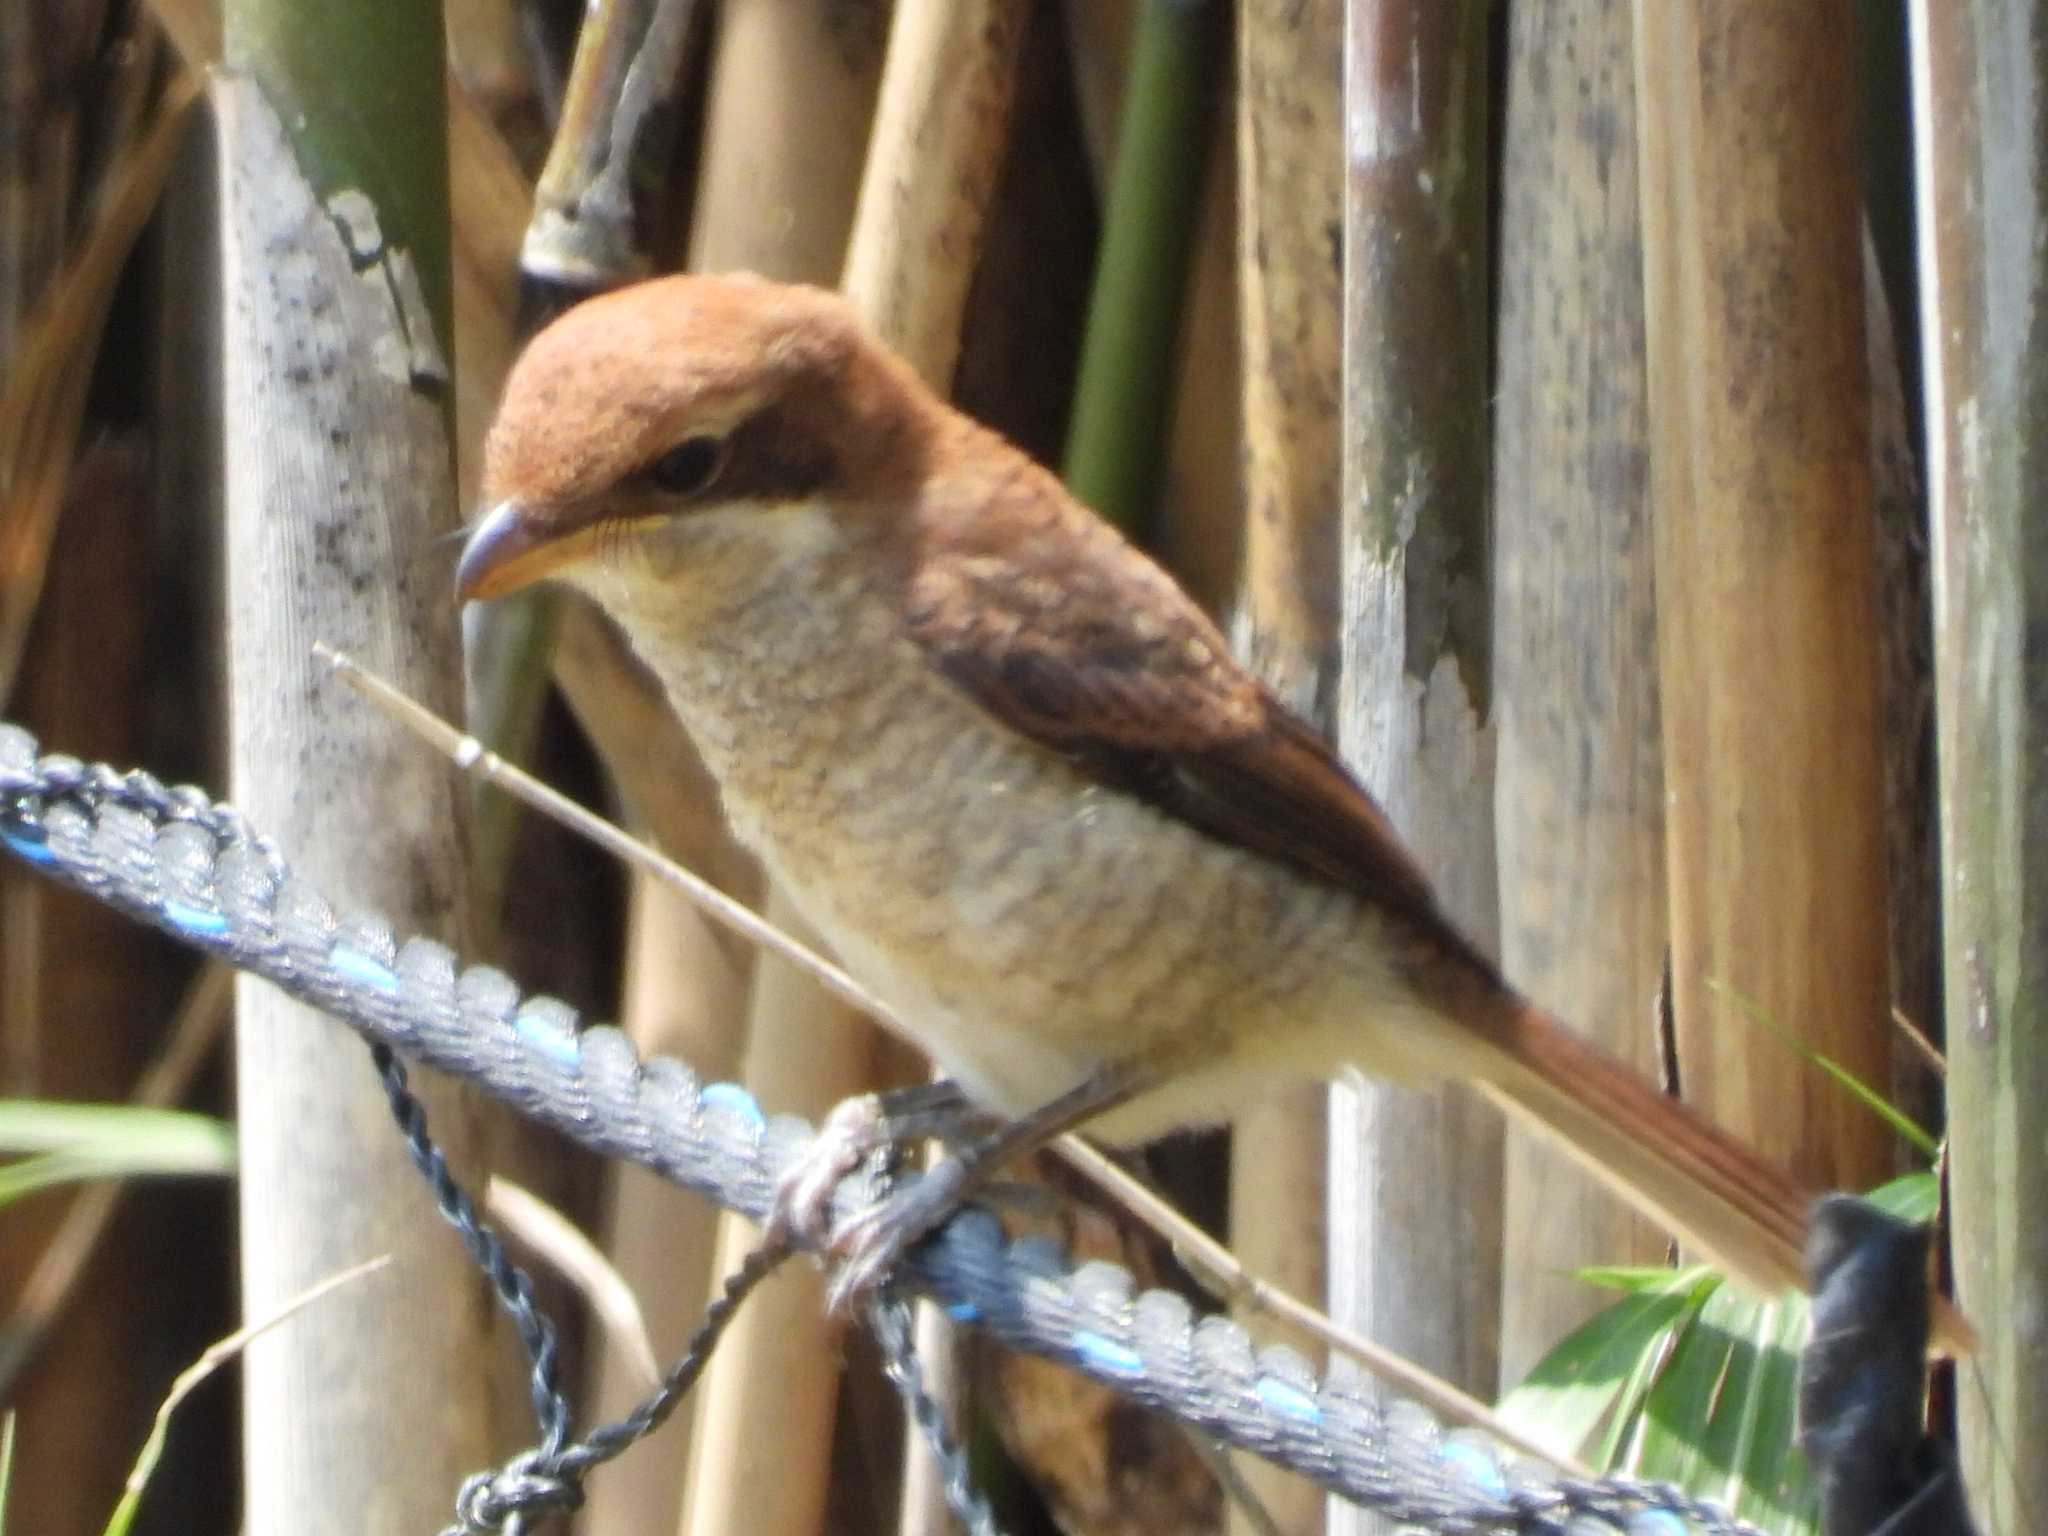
x=1012 y=773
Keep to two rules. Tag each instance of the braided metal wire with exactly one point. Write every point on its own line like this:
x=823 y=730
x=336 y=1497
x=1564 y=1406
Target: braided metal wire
x=486 y=1249
x=889 y=1321
x=183 y=863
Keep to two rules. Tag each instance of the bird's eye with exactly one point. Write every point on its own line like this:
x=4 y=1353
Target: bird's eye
x=690 y=467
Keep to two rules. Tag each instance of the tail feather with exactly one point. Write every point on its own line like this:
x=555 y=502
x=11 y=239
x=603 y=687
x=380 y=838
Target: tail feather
x=1699 y=1183
x=1690 y=1176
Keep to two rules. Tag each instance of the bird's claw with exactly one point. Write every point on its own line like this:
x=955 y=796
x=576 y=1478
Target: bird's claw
x=801 y=1215
x=866 y=1248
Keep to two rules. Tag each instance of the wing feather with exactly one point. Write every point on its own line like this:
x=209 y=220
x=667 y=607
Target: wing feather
x=1062 y=631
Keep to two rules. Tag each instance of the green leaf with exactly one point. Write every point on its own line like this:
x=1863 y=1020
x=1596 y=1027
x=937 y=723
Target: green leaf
x=75 y=1142
x=1910 y=1197
x=1595 y=1374
x=1901 y=1122
x=1719 y=1420
x=1632 y=1277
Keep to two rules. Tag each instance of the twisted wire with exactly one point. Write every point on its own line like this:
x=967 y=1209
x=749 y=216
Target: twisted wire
x=889 y=1321
x=514 y=1289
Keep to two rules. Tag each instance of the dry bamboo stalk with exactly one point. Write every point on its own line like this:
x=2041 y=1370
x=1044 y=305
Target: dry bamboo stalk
x=779 y=1363
x=489 y=59
x=1201 y=526
x=559 y=1245
x=782 y=166
x=489 y=199
x=595 y=208
x=1290 y=312
x=792 y=96
x=941 y=126
x=1288 y=146
x=1978 y=73
x=1766 y=578
x=1582 y=856
x=338 y=476
x=1415 y=1223
x=941 y=129
x=684 y=996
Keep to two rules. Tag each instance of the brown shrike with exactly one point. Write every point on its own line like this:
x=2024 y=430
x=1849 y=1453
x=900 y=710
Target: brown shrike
x=1010 y=771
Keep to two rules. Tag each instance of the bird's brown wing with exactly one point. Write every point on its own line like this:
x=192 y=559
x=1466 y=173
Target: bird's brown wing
x=1063 y=633
x=1071 y=638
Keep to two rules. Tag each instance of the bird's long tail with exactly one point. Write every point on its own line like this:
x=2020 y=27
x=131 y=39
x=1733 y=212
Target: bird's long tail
x=1691 y=1177
x=1698 y=1182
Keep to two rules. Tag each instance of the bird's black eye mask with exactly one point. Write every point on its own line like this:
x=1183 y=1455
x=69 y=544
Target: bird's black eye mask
x=765 y=458
x=691 y=467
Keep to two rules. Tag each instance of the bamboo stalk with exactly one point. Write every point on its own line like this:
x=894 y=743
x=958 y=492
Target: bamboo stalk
x=1978 y=72
x=793 y=92
x=941 y=126
x=1582 y=856
x=1121 y=398
x=490 y=62
x=1416 y=1213
x=1200 y=532
x=780 y=1361
x=598 y=205
x=684 y=997
x=941 y=132
x=1288 y=112
x=339 y=474
x=1766 y=571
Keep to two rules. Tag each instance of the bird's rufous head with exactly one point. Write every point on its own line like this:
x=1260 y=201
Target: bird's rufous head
x=674 y=398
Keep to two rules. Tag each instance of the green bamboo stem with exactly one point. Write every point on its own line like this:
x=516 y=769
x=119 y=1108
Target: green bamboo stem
x=362 y=93
x=1122 y=396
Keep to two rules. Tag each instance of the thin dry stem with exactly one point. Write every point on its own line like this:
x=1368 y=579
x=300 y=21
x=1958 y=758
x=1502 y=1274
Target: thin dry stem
x=220 y=1352
x=472 y=756
x=581 y=1262
x=1212 y=1264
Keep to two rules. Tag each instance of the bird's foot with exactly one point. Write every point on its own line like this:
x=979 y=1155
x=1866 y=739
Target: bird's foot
x=866 y=1249
x=853 y=1132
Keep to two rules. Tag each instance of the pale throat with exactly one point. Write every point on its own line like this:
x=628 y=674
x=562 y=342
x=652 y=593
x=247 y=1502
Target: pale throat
x=747 y=613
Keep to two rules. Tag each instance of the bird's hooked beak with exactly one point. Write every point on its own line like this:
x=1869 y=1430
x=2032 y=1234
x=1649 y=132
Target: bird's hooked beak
x=511 y=549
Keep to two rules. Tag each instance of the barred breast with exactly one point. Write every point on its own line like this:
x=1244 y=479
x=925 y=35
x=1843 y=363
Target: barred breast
x=1028 y=924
